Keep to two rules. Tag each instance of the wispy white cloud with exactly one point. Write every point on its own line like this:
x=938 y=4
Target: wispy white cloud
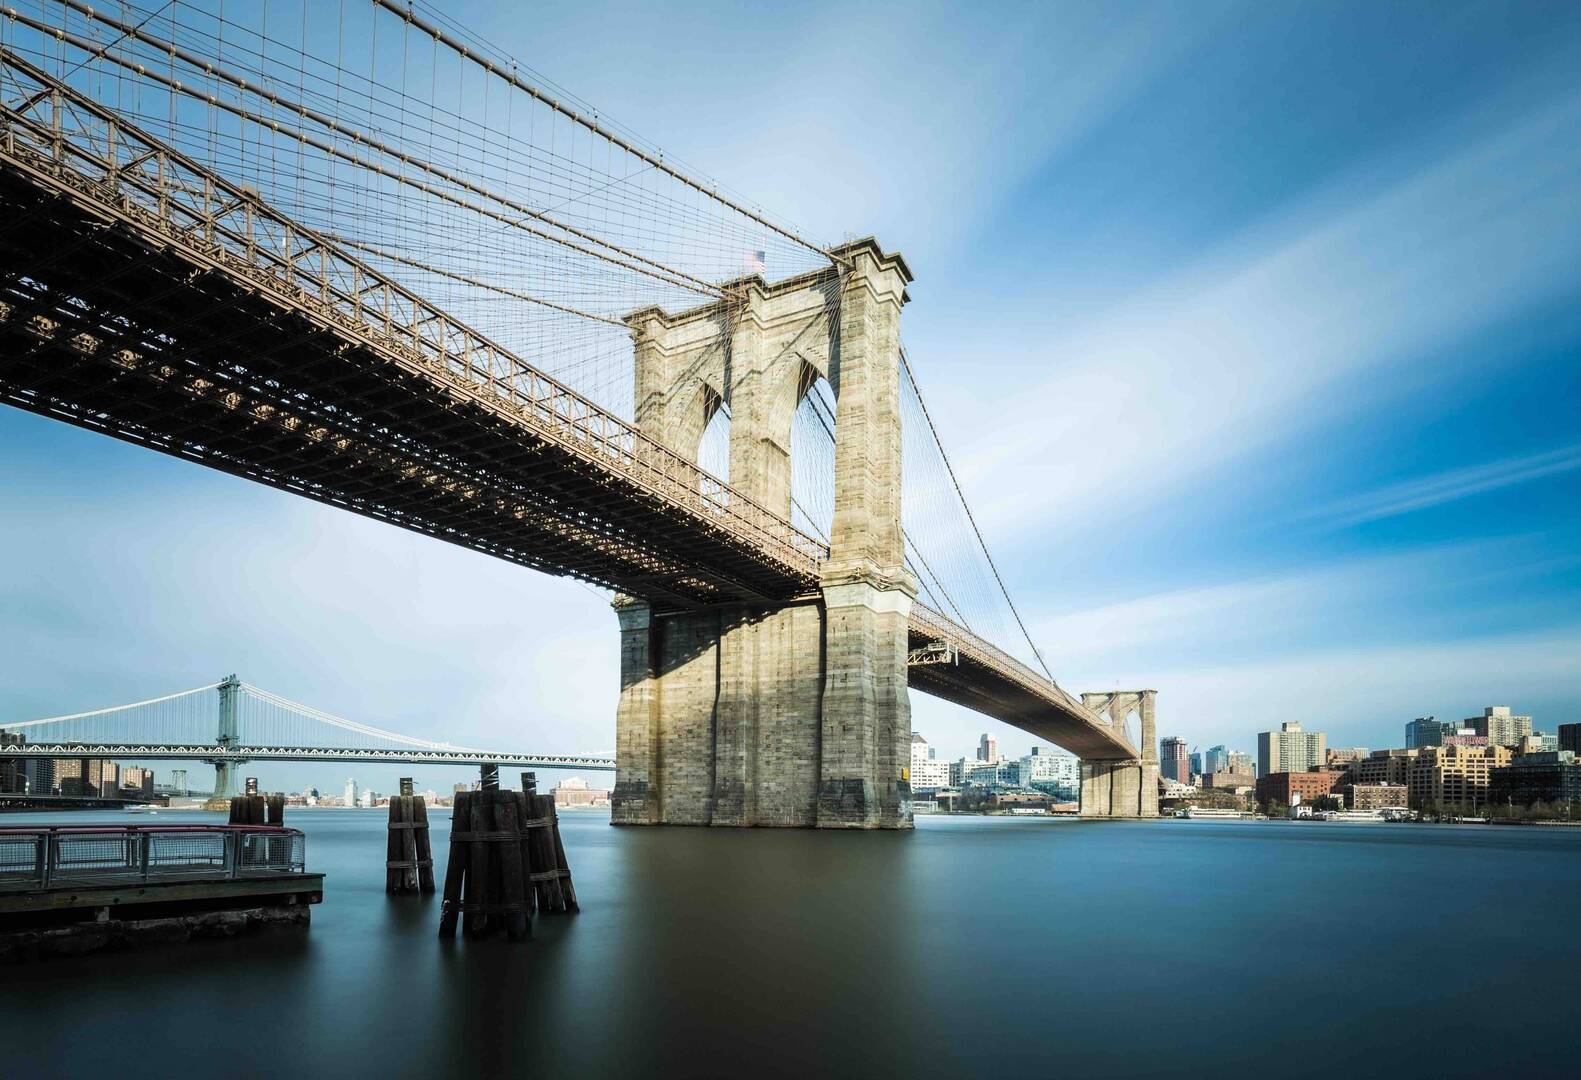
x=1449 y=486
x=1258 y=339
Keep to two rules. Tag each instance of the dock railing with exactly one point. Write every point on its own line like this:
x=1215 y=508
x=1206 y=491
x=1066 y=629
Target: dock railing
x=46 y=856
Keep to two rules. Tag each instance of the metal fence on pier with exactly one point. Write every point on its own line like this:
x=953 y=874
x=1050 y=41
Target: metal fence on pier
x=44 y=857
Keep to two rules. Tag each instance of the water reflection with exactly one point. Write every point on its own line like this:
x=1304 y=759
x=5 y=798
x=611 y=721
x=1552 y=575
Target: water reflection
x=973 y=945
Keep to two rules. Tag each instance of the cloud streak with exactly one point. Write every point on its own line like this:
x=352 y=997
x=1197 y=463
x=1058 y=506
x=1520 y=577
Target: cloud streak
x=1257 y=340
x=1450 y=485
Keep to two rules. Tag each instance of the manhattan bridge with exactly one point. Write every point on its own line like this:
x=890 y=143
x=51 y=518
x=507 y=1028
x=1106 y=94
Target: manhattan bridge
x=351 y=250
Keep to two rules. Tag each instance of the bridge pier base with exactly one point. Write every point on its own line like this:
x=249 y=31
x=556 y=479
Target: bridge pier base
x=1116 y=789
x=1123 y=789
x=745 y=716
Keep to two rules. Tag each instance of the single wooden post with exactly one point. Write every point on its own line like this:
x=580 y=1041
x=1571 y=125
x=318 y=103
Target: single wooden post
x=425 y=852
x=456 y=865
x=568 y=891
x=274 y=808
x=512 y=879
x=477 y=883
x=394 y=871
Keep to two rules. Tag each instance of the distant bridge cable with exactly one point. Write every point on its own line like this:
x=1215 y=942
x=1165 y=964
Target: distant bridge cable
x=109 y=709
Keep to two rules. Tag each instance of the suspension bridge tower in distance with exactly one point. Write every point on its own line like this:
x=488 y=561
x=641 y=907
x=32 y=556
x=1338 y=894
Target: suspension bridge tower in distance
x=228 y=737
x=785 y=714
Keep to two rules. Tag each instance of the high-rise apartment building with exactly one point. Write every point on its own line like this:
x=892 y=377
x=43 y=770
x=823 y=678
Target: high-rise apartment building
x=1215 y=759
x=1173 y=760
x=139 y=780
x=1501 y=728
x=1290 y=750
x=1427 y=731
x=350 y=797
x=987 y=748
x=1196 y=763
x=83 y=776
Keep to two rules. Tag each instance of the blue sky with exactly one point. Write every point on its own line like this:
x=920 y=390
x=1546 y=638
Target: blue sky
x=1253 y=328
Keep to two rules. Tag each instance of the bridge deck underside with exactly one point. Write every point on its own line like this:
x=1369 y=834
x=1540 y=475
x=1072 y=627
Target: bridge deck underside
x=111 y=328
x=144 y=345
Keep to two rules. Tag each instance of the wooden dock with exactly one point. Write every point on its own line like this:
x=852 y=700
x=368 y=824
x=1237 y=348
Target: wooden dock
x=66 y=890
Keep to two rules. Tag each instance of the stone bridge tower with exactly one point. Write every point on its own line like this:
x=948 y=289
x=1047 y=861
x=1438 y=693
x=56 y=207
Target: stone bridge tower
x=1123 y=788
x=793 y=714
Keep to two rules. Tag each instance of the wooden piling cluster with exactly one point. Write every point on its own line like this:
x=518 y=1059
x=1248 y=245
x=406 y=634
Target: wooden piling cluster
x=409 y=858
x=255 y=809
x=506 y=862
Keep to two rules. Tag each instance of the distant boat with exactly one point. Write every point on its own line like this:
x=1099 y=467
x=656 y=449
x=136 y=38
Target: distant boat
x=142 y=808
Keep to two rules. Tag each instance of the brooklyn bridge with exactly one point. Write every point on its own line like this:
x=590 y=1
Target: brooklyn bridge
x=367 y=259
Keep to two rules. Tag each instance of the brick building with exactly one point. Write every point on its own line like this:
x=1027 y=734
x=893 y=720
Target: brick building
x=1284 y=787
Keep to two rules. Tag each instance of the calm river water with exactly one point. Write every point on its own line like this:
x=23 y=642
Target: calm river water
x=1037 y=948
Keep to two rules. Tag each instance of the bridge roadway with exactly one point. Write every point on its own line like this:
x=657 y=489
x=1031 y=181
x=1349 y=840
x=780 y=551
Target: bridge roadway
x=212 y=753
x=148 y=299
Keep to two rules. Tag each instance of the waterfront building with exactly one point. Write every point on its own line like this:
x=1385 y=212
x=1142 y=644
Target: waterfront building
x=39 y=776
x=80 y=776
x=987 y=748
x=1228 y=780
x=1500 y=727
x=1242 y=763
x=1454 y=778
x=1173 y=762
x=1215 y=759
x=1290 y=750
x=139 y=781
x=350 y=797
x=1174 y=789
x=1376 y=796
x=1570 y=738
x=574 y=791
x=928 y=774
x=368 y=799
x=1546 y=776
x=1292 y=787
x=1385 y=767
x=13 y=771
x=992 y=773
x=1427 y=731
x=1049 y=771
